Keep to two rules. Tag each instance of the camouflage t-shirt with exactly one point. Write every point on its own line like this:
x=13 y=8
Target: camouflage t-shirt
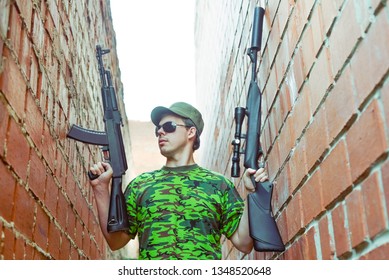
x=181 y=213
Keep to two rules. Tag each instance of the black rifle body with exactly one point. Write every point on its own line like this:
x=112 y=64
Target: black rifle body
x=111 y=141
x=263 y=228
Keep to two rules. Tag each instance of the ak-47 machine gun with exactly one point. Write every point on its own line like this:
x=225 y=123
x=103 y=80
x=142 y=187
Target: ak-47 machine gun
x=263 y=228
x=111 y=141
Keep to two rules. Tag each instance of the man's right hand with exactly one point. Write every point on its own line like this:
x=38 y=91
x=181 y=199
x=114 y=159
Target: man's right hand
x=104 y=171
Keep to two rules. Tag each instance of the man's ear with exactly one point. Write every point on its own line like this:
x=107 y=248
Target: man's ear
x=192 y=132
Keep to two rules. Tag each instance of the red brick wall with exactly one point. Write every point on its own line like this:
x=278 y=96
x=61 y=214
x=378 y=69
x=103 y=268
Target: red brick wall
x=323 y=72
x=48 y=81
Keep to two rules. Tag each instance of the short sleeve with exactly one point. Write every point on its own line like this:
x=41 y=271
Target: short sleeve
x=232 y=210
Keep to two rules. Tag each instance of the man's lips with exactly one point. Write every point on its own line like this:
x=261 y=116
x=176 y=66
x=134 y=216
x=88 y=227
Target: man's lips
x=162 y=141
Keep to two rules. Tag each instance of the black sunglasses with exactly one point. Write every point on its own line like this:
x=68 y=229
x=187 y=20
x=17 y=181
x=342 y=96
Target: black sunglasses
x=168 y=127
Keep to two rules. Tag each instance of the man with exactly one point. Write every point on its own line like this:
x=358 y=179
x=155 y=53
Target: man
x=182 y=210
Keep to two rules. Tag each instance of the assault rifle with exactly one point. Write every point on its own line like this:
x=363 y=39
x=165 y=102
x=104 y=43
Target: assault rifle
x=263 y=228
x=111 y=141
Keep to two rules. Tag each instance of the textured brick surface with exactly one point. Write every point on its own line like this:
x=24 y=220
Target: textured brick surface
x=323 y=72
x=48 y=81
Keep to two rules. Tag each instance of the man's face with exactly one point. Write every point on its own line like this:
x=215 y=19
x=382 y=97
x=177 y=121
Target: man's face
x=172 y=143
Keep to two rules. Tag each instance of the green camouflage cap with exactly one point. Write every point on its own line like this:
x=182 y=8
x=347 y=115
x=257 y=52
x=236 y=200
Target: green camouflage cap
x=181 y=109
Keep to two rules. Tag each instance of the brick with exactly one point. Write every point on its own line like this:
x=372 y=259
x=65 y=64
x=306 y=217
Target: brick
x=356 y=218
x=7 y=190
x=281 y=189
x=18 y=150
x=294 y=216
x=25 y=53
x=312 y=198
x=311 y=253
x=4 y=19
x=49 y=147
x=12 y=84
x=51 y=195
x=301 y=112
x=298 y=166
x=371 y=61
x=298 y=70
x=37 y=176
x=341 y=231
x=321 y=78
x=25 y=7
x=64 y=253
x=54 y=241
x=38 y=31
x=385 y=182
x=326 y=242
x=37 y=255
x=308 y=53
x=340 y=105
x=41 y=230
x=15 y=27
x=385 y=102
x=367 y=134
x=34 y=120
x=34 y=73
x=24 y=212
x=316 y=138
x=319 y=34
x=344 y=36
x=380 y=253
x=19 y=249
x=335 y=171
x=29 y=252
x=286 y=139
x=298 y=250
x=374 y=208
x=8 y=244
x=61 y=216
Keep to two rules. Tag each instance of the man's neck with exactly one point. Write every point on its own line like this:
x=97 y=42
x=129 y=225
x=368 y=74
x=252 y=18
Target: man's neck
x=180 y=161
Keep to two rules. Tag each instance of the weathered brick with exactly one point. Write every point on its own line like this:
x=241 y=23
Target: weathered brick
x=37 y=176
x=312 y=198
x=326 y=241
x=371 y=60
x=316 y=138
x=8 y=252
x=54 y=241
x=41 y=229
x=24 y=211
x=34 y=120
x=38 y=34
x=367 y=134
x=298 y=167
x=335 y=171
x=7 y=190
x=341 y=230
x=380 y=253
x=340 y=105
x=375 y=212
x=294 y=216
x=51 y=195
x=12 y=83
x=18 y=150
x=25 y=7
x=3 y=126
x=15 y=29
x=356 y=218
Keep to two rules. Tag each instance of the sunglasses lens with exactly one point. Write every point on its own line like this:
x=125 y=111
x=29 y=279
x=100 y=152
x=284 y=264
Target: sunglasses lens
x=168 y=127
